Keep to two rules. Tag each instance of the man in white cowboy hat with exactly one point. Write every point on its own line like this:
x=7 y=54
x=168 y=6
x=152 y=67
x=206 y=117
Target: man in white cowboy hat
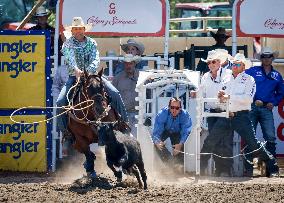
x=136 y=49
x=269 y=93
x=220 y=37
x=81 y=54
x=125 y=82
x=240 y=90
x=211 y=83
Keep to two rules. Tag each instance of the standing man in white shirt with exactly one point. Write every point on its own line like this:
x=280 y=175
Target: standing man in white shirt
x=211 y=83
x=240 y=90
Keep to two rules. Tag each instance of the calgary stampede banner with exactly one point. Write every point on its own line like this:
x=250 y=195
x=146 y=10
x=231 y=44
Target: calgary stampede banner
x=117 y=18
x=25 y=82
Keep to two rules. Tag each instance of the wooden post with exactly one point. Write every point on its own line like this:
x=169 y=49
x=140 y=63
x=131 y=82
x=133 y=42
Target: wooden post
x=28 y=17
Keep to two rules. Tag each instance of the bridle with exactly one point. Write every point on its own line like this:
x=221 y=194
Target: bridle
x=84 y=93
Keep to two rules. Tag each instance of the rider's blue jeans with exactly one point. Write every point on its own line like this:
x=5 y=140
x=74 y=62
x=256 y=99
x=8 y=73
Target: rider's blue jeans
x=116 y=101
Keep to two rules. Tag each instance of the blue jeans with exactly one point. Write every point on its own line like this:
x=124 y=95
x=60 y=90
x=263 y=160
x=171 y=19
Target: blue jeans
x=240 y=123
x=264 y=116
x=116 y=101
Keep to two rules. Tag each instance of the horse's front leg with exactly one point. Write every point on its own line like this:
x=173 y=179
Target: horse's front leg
x=89 y=164
x=117 y=174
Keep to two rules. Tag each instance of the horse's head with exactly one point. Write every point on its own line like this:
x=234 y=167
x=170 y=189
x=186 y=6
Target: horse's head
x=95 y=90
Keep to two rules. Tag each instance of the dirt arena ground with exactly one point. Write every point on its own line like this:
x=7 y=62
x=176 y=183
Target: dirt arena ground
x=69 y=185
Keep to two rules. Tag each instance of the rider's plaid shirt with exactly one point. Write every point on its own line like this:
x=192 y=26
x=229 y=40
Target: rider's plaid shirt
x=83 y=55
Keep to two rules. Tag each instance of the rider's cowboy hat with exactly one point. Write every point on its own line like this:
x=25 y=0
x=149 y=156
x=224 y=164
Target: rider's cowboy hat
x=41 y=11
x=132 y=42
x=221 y=32
x=212 y=55
x=78 y=22
x=130 y=58
x=268 y=51
x=241 y=58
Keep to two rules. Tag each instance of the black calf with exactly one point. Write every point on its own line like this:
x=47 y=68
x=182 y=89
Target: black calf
x=123 y=151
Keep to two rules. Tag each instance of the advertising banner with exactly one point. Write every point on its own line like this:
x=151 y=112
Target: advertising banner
x=117 y=18
x=23 y=146
x=260 y=18
x=22 y=70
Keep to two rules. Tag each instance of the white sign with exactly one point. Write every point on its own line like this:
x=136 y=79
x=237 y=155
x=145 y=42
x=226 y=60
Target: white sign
x=260 y=18
x=278 y=113
x=117 y=17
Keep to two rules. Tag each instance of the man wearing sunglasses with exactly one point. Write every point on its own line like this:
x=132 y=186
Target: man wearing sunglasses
x=269 y=93
x=240 y=90
x=175 y=123
x=211 y=83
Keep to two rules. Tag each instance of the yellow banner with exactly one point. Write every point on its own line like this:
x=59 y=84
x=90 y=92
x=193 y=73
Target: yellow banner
x=23 y=146
x=22 y=71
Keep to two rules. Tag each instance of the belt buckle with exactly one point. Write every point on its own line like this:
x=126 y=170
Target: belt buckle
x=231 y=114
x=258 y=103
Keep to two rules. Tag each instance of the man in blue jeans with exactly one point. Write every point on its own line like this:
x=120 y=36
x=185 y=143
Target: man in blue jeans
x=240 y=90
x=269 y=93
x=81 y=54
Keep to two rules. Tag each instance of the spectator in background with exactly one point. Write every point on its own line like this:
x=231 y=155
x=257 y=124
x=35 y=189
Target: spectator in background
x=42 y=24
x=220 y=37
x=136 y=49
x=269 y=93
x=125 y=82
x=175 y=123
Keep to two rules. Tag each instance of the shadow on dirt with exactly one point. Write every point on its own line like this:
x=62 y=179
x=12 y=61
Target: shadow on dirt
x=85 y=184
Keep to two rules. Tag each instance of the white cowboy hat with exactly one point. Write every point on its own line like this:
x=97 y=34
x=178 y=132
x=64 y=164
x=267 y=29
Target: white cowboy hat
x=268 y=51
x=130 y=58
x=223 y=55
x=241 y=58
x=78 y=22
x=212 y=55
x=132 y=42
x=41 y=11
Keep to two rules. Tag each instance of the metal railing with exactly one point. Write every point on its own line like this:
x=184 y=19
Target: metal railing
x=203 y=19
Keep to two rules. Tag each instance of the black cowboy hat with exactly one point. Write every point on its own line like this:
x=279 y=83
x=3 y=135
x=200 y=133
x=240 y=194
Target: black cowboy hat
x=220 y=32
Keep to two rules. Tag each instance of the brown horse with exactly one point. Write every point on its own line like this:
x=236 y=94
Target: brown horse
x=86 y=116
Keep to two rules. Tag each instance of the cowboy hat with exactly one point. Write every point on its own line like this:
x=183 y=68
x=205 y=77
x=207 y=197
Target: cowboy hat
x=220 y=32
x=41 y=11
x=223 y=55
x=78 y=22
x=212 y=55
x=132 y=42
x=268 y=51
x=130 y=58
x=241 y=58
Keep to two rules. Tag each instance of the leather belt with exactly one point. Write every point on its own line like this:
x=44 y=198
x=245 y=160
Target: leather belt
x=217 y=110
x=233 y=114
